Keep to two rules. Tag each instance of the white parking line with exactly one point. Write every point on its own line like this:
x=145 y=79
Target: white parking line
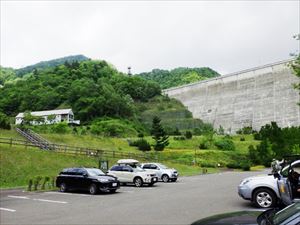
x=9 y=210
x=62 y=193
x=16 y=196
x=46 y=200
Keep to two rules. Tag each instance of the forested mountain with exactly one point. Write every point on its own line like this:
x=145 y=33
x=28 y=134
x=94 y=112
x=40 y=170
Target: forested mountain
x=6 y=74
x=178 y=76
x=51 y=63
x=92 y=88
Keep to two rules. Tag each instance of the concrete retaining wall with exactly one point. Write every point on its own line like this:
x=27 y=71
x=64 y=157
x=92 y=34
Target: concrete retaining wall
x=252 y=97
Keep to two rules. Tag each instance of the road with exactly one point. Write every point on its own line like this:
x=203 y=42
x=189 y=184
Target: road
x=183 y=202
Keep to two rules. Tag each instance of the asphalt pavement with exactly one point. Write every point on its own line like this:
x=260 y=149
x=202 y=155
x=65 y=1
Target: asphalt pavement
x=183 y=202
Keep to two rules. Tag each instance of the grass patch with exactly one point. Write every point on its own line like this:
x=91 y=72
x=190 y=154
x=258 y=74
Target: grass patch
x=18 y=165
x=257 y=168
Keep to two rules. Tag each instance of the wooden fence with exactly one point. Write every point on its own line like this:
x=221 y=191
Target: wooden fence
x=90 y=152
x=73 y=150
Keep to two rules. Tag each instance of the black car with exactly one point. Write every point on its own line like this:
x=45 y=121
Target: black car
x=91 y=179
x=287 y=216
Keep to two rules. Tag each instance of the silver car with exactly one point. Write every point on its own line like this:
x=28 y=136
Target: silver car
x=262 y=190
x=163 y=172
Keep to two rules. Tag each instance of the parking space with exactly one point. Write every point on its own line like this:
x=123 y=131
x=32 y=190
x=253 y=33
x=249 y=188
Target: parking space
x=183 y=202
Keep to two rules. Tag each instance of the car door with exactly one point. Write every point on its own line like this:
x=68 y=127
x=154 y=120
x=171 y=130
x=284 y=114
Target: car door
x=155 y=169
x=117 y=172
x=284 y=186
x=128 y=174
x=82 y=180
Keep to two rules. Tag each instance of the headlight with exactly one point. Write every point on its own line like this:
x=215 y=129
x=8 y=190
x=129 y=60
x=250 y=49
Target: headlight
x=245 y=182
x=102 y=180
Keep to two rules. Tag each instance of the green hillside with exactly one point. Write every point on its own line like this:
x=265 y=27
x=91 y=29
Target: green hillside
x=178 y=76
x=50 y=63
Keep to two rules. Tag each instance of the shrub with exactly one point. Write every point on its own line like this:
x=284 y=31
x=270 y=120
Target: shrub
x=60 y=128
x=179 y=138
x=188 y=134
x=142 y=144
x=204 y=145
x=4 y=121
x=245 y=130
x=242 y=139
x=225 y=144
x=46 y=180
x=140 y=135
x=113 y=128
x=36 y=182
x=30 y=185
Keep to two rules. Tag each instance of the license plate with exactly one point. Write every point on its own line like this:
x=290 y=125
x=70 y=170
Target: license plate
x=114 y=184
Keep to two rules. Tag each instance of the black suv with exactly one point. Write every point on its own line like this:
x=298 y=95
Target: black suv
x=90 y=179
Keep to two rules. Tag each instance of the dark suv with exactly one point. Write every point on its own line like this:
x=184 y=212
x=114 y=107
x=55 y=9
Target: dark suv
x=90 y=179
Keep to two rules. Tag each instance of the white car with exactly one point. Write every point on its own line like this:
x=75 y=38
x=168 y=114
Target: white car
x=263 y=190
x=163 y=172
x=128 y=171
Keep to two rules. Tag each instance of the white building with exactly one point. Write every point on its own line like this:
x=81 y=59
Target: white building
x=51 y=117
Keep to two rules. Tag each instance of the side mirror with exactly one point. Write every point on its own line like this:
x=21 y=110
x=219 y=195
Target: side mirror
x=266 y=218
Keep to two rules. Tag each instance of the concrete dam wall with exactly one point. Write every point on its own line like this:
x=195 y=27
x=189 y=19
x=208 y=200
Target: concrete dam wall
x=251 y=97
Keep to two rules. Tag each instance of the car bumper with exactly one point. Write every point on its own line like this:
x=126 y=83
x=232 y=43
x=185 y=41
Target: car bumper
x=244 y=192
x=150 y=180
x=109 y=186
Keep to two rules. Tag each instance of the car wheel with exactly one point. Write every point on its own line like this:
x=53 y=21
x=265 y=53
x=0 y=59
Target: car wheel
x=113 y=191
x=174 y=180
x=63 y=187
x=151 y=184
x=93 y=189
x=264 y=198
x=138 y=182
x=165 y=178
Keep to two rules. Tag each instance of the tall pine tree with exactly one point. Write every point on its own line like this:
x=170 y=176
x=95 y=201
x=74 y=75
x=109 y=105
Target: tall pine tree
x=159 y=135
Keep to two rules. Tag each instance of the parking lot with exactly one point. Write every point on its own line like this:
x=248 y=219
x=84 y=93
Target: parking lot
x=183 y=202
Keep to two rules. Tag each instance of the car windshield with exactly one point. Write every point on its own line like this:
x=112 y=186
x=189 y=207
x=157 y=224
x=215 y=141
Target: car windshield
x=286 y=213
x=95 y=172
x=162 y=166
x=138 y=169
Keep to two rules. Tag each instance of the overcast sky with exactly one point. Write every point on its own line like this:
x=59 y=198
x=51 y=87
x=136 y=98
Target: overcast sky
x=227 y=36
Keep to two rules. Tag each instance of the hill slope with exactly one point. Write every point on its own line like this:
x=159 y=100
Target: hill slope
x=178 y=76
x=51 y=63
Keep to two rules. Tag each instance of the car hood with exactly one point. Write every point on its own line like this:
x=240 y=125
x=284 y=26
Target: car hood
x=108 y=177
x=237 y=218
x=260 y=177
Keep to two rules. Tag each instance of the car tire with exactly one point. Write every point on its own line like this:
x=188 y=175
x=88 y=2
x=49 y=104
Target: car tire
x=63 y=187
x=113 y=191
x=174 y=180
x=93 y=189
x=151 y=184
x=264 y=198
x=165 y=178
x=138 y=182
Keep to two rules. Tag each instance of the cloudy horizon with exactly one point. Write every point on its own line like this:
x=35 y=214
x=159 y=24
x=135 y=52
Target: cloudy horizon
x=226 y=36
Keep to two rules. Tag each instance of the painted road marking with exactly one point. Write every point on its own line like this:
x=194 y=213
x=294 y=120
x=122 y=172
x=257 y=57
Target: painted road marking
x=9 y=210
x=47 y=200
x=62 y=193
x=16 y=196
